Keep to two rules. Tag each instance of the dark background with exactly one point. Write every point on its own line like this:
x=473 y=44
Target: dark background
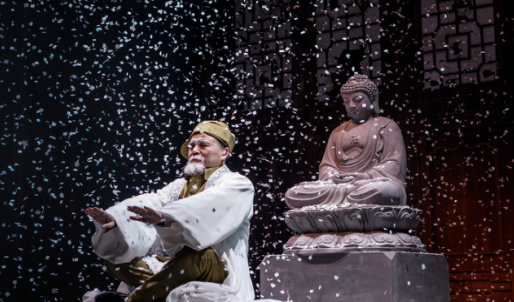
x=96 y=98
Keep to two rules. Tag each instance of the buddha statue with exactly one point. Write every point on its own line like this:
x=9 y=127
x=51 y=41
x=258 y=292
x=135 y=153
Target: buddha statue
x=359 y=201
x=364 y=161
x=353 y=221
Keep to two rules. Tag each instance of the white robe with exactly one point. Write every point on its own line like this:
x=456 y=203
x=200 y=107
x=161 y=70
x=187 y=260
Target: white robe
x=218 y=217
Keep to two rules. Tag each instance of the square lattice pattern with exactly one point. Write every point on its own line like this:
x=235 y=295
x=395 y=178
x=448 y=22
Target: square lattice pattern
x=458 y=42
x=348 y=42
x=263 y=58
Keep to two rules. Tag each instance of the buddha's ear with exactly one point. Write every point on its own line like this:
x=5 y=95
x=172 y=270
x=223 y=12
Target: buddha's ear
x=376 y=108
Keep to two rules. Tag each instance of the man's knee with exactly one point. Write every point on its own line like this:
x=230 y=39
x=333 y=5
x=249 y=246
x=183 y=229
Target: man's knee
x=187 y=265
x=133 y=273
x=212 y=268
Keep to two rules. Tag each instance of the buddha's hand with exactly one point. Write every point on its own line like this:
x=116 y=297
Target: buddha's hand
x=350 y=177
x=146 y=214
x=102 y=217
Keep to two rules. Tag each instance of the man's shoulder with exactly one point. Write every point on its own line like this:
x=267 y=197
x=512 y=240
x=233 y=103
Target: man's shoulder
x=224 y=177
x=177 y=182
x=232 y=174
x=227 y=175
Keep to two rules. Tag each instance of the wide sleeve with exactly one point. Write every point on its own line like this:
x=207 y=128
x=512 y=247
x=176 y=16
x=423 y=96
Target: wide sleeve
x=171 y=236
x=129 y=239
x=212 y=215
x=328 y=166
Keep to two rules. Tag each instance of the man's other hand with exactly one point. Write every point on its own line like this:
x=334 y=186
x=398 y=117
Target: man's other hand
x=101 y=216
x=146 y=214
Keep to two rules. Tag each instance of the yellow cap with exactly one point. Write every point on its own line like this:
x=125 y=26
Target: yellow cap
x=215 y=129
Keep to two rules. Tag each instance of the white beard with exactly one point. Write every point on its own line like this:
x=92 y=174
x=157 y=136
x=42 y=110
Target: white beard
x=194 y=168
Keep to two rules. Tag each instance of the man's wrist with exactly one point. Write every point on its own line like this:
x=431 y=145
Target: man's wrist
x=163 y=222
x=109 y=225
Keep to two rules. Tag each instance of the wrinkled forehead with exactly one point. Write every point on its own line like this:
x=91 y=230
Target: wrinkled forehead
x=202 y=137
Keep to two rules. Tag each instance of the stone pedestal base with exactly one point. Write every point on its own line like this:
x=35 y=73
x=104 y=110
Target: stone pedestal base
x=357 y=276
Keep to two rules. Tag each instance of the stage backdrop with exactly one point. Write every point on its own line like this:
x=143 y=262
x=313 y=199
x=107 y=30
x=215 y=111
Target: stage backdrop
x=96 y=97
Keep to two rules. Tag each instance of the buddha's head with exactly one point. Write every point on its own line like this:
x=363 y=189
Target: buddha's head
x=360 y=96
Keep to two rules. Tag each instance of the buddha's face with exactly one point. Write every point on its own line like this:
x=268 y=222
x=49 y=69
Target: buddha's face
x=358 y=106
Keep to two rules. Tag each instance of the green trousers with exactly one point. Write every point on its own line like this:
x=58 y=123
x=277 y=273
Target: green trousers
x=186 y=266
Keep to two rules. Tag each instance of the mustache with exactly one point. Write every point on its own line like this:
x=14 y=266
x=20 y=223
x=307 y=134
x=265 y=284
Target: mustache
x=200 y=158
x=194 y=168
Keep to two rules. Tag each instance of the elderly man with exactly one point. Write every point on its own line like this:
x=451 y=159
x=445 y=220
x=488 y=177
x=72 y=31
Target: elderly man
x=189 y=240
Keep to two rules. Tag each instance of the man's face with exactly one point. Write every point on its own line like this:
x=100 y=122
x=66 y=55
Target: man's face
x=359 y=107
x=205 y=148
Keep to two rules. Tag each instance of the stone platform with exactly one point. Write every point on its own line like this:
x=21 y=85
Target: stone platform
x=379 y=276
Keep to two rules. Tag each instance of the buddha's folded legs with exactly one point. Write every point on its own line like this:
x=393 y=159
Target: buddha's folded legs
x=327 y=193
x=380 y=193
x=314 y=193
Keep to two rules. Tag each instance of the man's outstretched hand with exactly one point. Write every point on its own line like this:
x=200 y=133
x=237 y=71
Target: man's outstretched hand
x=101 y=216
x=146 y=214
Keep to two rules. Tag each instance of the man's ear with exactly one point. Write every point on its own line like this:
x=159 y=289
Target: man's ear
x=225 y=153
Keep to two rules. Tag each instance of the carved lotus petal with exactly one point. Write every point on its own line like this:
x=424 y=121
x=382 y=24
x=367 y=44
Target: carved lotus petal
x=325 y=221
x=417 y=241
x=382 y=218
x=345 y=242
x=406 y=238
x=303 y=222
x=352 y=220
x=292 y=224
x=291 y=241
x=302 y=241
x=354 y=239
x=385 y=239
x=408 y=219
x=325 y=241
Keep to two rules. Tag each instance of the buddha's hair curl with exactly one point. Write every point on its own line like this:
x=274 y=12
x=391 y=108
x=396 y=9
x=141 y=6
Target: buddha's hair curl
x=361 y=83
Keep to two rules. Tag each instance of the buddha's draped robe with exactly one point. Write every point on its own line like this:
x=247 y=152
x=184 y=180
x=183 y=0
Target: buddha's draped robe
x=375 y=148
